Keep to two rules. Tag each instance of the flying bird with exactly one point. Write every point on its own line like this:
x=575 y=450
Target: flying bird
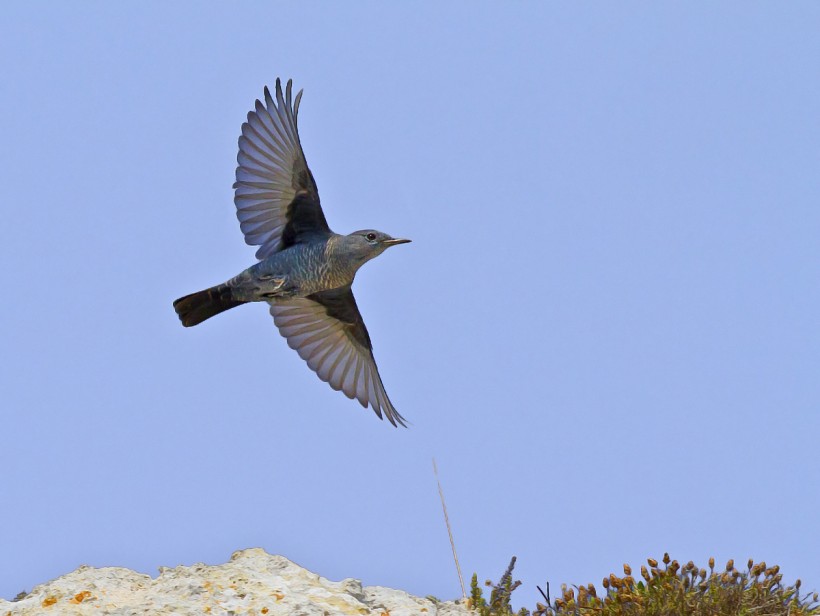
x=304 y=270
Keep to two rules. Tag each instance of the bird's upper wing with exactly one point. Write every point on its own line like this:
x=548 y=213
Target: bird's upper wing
x=276 y=198
x=328 y=332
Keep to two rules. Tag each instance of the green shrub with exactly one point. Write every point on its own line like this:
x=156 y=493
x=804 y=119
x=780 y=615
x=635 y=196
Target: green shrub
x=499 y=603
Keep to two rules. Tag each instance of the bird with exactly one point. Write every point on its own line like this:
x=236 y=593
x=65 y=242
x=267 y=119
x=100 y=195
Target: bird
x=304 y=270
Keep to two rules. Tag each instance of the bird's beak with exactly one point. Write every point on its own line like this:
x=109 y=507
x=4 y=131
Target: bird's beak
x=395 y=241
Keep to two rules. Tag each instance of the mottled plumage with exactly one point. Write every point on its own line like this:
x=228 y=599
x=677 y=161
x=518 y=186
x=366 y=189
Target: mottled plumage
x=305 y=271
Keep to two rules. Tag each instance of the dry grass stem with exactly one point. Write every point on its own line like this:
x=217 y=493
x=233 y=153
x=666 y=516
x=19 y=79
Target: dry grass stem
x=449 y=530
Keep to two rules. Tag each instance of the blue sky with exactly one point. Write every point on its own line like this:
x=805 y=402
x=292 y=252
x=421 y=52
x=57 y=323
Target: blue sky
x=606 y=329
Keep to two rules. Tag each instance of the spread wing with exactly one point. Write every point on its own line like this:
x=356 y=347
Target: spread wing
x=328 y=332
x=276 y=198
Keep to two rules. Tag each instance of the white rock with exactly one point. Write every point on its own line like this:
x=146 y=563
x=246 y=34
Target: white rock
x=253 y=583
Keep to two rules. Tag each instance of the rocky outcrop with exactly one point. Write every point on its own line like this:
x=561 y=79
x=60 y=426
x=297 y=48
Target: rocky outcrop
x=253 y=583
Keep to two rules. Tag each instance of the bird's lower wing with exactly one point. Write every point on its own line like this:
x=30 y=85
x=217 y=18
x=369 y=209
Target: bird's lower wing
x=328 y=332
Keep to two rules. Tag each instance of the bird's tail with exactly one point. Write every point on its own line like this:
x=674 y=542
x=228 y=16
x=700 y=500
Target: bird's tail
x=197 y=307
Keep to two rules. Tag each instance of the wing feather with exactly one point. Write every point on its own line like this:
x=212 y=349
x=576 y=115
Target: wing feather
x=327 y=331
x=277 y=202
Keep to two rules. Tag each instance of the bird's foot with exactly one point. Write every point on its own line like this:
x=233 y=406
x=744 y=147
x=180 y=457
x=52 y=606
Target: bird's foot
x=277 y=287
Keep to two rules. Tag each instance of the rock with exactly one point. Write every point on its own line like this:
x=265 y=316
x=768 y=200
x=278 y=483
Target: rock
x=253 y=583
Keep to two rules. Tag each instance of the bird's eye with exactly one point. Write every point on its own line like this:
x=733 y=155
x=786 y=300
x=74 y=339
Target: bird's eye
x=370 y=237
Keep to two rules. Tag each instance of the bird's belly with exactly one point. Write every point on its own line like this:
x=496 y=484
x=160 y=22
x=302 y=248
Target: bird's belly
x=284 y=278
x=319 y=279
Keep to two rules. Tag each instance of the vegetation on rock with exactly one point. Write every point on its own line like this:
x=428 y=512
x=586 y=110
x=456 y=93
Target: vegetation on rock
x=665 y=589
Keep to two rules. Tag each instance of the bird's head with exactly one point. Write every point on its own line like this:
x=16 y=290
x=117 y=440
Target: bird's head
x=369 y=243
